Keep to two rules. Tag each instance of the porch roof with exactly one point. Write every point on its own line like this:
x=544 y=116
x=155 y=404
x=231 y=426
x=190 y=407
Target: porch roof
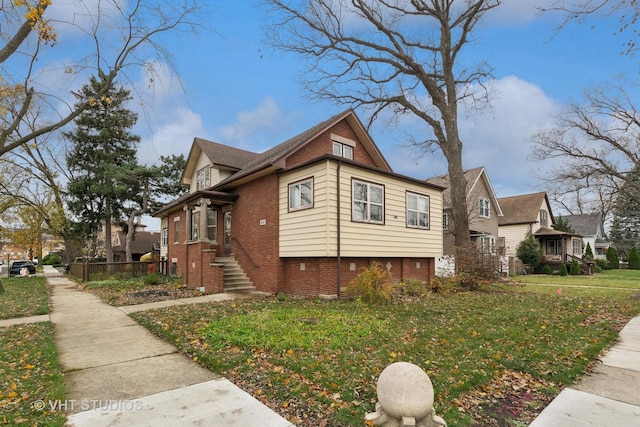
x=550 y=232
x=216 y=197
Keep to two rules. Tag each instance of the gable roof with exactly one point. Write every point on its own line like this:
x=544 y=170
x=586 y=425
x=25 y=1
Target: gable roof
x=219 y=155
x=584 y=224
x=273 y=158
x=523 y=209
x=474 y=177
x=143 y=242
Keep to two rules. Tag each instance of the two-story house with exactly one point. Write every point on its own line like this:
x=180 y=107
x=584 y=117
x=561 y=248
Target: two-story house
x=591 y=228
x=483 y=211
x=301 y=218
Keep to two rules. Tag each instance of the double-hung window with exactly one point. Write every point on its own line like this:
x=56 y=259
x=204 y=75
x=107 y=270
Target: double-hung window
x=212 y=224
x=301 y=195
x=176 y=231
x=417 y=211
x=368 y=202
x=164 y=237
x=544 y=222
x=445 y=221
x=483 y=208
x=195 y=225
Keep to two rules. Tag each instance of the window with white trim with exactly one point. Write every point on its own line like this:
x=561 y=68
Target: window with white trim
x=577 y=247
x=486 y=244
x=343 y=150
x=445 y=221
x=195 y=225
x=368 y=202
x=164 y=237
x=544 y=221
x=301 y=195
x=483 y=208
x=417 y=211
x=203 y=178
x=212 y=224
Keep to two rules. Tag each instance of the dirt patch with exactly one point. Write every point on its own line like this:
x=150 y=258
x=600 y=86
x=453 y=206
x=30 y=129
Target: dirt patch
x=512 y=399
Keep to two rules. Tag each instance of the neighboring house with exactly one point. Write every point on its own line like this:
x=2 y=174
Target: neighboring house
x=531 y=213
x=591 y=228
x=142 y=243
x=484 y=211
x=301 y=218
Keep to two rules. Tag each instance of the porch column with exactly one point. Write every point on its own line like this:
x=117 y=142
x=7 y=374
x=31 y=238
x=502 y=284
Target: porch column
x=187 y=223
x=204 y=219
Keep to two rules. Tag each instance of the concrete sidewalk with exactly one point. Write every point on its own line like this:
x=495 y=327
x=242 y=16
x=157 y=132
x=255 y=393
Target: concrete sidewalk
x=119 y=374
x=610 y=396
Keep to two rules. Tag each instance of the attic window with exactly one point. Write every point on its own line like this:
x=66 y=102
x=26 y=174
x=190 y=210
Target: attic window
x=203 y=178
x=343 y=150
x=544 y=222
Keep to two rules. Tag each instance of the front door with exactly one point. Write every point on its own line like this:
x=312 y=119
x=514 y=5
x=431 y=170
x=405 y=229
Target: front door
x=227 y=232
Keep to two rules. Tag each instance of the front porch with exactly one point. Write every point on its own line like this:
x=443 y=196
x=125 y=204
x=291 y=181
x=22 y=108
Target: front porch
x=560 y=247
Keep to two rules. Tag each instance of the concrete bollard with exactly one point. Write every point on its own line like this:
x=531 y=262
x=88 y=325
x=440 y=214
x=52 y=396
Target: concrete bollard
x=405 y=398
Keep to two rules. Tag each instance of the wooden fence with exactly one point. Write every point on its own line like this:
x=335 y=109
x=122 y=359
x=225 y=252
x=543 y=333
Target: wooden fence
x=88 y=271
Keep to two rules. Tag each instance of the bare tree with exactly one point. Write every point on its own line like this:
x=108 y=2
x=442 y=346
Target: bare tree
x=119 y=35
x=393 y=56
x=627 y=11
x=575 y=197
x=594 y=147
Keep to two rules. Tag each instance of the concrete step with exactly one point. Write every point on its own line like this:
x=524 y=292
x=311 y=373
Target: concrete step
x=235 y=279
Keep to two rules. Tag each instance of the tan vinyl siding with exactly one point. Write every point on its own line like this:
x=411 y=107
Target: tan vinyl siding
x=308 y=232
x=313 y=232
x=513 y=235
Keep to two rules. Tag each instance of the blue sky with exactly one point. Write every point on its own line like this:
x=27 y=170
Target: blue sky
x=236 y=90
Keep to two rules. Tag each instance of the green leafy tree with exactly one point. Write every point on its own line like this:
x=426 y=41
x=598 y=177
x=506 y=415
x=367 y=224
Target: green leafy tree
x=562 y=224
x=634 y=259
x=529 y=252
x=588 y=252
x=612 y=258
x=102 y=161
x=625 y=229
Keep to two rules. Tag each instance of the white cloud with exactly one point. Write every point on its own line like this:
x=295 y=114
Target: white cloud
x=252 y=129
x=172 y=137
x=500 y=138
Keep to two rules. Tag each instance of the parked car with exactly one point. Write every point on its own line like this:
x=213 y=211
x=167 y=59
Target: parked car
x=17 y=266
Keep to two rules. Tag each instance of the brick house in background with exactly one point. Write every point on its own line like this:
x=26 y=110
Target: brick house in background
x=301 y=218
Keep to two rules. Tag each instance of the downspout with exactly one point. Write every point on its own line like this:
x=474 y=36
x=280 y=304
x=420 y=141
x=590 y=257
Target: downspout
x=338 y=260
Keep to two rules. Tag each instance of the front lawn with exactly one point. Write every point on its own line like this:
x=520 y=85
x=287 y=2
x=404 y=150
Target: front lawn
x=629 y=279
x=495 y=357
x=23 y=297
x=31 y=381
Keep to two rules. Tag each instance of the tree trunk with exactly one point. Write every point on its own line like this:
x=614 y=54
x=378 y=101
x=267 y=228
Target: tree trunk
x=107 y=231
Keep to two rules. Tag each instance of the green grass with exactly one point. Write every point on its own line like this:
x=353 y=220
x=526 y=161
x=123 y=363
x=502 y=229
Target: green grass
x=629 y=279
x=29 y=376
x=318 y=361
x=23 y=297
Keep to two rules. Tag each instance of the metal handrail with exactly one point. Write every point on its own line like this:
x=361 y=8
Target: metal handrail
x=245 y=252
